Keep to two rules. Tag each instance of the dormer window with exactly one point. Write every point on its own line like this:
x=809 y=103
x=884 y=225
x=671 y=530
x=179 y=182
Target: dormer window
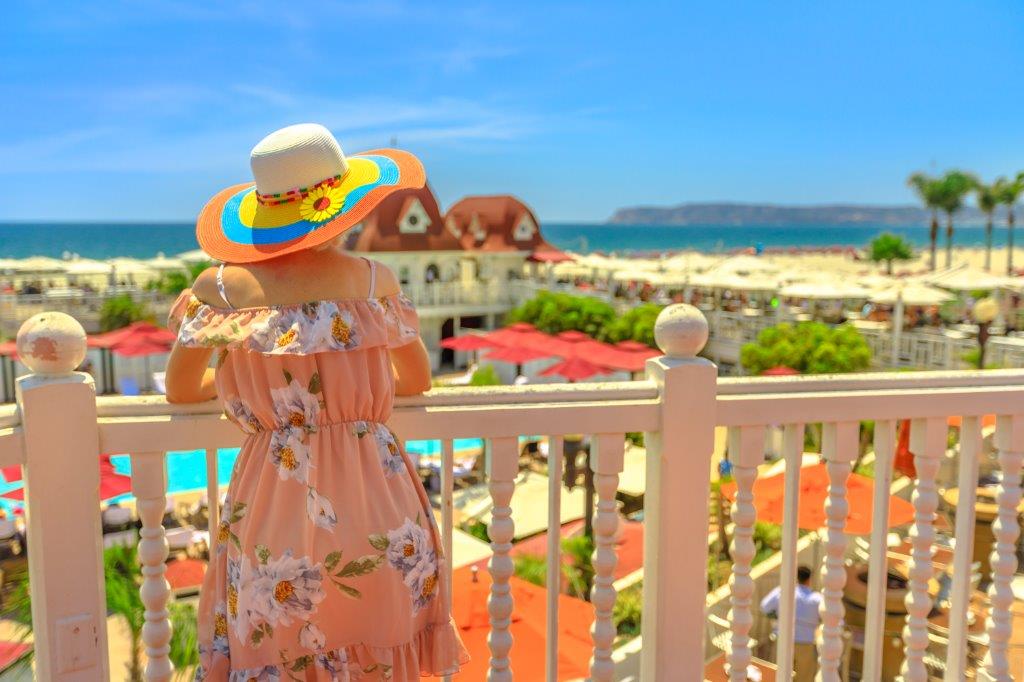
x=453 y=227
x=475 y=229
x=415 y=220
x=525 y=229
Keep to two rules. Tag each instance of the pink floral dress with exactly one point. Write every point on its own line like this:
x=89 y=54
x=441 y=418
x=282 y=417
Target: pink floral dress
x=328 y=563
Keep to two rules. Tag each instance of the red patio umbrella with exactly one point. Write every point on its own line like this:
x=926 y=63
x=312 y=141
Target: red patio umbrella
x=574 y=369
x=112 y=484
x=517 y=354
x=467 y=342
x=769 y=494
x=11 y=473
x=634 y=346
x=573 y=336
x=138 y=347
x=9 y=348
x=133 y=332
x=780 y=371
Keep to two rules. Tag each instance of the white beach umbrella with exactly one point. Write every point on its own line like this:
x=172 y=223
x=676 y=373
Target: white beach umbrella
x=162 y=262
x=130 y=266
x=87 y=266
x=968 y=279
x=824 y=291
x=912 y=293
x=194 y=256
x=39 y=264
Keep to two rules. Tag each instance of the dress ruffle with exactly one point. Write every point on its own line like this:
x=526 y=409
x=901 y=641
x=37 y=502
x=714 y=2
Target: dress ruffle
x=435 y=651
x=298 y=329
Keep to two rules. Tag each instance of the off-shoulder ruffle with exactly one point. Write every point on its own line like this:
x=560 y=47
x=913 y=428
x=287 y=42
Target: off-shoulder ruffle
x=299 y=329
x=435 y=651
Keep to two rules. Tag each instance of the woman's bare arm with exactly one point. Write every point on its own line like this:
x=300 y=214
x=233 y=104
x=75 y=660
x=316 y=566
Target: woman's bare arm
x=410 y=362
x=189 y=376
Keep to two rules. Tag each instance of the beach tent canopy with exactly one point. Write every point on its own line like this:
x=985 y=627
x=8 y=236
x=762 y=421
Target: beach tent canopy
x=550 y=256
x=39 y=264
x=824 y=291
x=769 y=500
x=87 y=266
x=131 y=266
x=194 y=256
x=969 y=279
x=912 y=293
x=162 y=262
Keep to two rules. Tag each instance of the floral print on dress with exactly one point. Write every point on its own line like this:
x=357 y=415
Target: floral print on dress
x=304 y=329
x=390 y=454
x=239 y=412
x=291 y=455
x=297 y=406
x=320 y=510
x=286 y=589
x=410 y=551
x=268 y=673
x=220 y=630
x=230 y=514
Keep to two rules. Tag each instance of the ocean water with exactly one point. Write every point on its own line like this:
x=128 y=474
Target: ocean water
x=141 y=240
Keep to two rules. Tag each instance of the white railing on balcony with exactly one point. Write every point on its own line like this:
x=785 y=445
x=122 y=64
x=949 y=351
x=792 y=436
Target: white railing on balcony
x=60 y=428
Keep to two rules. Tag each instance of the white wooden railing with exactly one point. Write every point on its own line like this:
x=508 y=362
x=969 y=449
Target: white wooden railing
x=59 y=428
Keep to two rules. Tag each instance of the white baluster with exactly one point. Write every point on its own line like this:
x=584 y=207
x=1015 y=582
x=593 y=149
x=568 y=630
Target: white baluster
x=1006 y=528
x=878 y=570
x=606 y=461
x=963 y=552
x=149 y=485
x=839 y=448
x=502 y=471
x=746 y=449
x=554 y=576
x=792 y=450
x=928 y=443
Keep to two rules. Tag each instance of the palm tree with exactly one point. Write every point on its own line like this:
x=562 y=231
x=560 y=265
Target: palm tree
x=930 y=191
x=1008 y=192
x=956 y=185
x=988 y=200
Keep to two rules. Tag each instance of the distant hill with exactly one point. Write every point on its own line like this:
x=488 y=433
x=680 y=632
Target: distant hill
x=768 y=214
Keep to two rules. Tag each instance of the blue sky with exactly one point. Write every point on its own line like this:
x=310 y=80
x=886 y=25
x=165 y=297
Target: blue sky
x=143 y=109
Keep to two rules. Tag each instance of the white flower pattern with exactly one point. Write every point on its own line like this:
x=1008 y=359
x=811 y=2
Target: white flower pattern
x=407 y=545
x=295 y=406
x=291 y=455
x=268 y=673
x=312 y=637
x=390 y=453
x=285 y=589
x=240 y=412
x=320 y=510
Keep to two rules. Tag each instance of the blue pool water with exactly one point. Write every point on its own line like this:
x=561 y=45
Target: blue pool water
x=186 y=470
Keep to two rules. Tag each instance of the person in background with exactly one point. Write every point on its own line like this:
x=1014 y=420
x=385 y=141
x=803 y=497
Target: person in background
x=808 y=602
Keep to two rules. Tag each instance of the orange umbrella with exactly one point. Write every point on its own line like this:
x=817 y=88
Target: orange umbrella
x=469 y=610
x=769 y=500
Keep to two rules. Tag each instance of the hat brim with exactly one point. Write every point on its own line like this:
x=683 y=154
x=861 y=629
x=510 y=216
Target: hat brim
x=234 y=227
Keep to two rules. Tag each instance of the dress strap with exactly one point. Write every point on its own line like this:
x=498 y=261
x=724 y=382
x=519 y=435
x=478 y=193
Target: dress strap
x=373 y=275
x=220 y=286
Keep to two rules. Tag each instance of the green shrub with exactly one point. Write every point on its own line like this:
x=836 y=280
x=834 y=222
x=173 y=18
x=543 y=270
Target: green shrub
x=628 y=610
x=121 y=311
x=485 y=375
x=532 y=569
x=809 y=348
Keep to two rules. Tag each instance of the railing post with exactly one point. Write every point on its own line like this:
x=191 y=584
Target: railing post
x=65 y=550
x=676 y=500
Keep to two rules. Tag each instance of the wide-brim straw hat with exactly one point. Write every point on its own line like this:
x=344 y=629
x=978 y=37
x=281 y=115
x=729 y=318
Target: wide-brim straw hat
x=307 y=192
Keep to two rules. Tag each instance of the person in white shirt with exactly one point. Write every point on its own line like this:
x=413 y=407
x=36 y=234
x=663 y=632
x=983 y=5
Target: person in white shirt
x=807 y=606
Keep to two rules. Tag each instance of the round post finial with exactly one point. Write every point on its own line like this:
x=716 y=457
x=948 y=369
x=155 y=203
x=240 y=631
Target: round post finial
x=51 y=343
x=681 y=331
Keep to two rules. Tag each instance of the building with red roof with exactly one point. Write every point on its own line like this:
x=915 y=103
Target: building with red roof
x=462 y=266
